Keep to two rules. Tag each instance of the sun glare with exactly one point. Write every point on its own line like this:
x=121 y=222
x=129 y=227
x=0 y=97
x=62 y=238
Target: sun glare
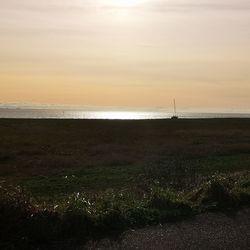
x=122 y=3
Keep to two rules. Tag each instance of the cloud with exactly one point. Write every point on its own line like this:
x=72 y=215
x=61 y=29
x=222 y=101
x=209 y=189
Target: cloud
x=149 y=5
x=198 y=5
x=45 y=5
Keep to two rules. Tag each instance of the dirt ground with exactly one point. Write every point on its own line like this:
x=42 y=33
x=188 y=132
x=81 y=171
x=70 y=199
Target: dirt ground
x=206 y=231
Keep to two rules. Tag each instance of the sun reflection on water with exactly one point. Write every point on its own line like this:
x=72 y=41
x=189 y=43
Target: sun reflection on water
x=118 y=115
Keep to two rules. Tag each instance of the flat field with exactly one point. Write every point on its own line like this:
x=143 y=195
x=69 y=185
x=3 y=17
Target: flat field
x=68 y=182
x=51 y=158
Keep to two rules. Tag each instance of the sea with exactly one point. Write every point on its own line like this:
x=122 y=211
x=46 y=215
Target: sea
x=63 y=113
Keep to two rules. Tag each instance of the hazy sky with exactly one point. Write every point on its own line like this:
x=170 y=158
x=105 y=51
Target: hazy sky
x=126 y=53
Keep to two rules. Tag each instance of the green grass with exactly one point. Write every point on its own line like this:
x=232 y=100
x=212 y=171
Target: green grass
x=170 y=173
x=93 y=179
x=224 y=164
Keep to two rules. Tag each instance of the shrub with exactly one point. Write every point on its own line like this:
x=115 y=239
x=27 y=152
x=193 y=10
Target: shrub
x=15 y=210
x=76 y=220
x=243 y=196
x=171 y=205
x=111 y=220
x=215 y=194
x=141 y=216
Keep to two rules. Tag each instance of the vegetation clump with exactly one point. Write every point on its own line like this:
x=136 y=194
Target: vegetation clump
x=24 y=222
x=215 y=194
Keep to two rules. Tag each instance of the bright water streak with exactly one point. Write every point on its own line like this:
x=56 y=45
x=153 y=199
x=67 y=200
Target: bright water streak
x=111 y=115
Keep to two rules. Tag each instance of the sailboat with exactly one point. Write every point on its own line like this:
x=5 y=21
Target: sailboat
x=174 y=117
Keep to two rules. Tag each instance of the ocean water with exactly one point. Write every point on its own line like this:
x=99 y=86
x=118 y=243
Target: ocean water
x=106 y=114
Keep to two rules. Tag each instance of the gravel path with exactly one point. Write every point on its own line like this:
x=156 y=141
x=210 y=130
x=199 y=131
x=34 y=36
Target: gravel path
x=207 y=231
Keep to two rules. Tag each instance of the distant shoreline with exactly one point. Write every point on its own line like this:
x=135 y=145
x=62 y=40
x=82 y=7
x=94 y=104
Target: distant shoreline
x=125 y=120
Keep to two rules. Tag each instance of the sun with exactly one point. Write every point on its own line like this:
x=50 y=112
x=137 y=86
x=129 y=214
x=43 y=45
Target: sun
x=122 y=3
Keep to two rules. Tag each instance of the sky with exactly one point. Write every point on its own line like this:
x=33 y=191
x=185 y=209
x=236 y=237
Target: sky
x=134 y=53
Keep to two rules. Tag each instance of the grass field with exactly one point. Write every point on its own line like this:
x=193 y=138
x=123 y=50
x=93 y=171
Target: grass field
x=110 y=175
x=63 y=156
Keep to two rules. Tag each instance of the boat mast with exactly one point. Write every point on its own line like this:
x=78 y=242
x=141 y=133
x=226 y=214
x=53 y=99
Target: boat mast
x=175 y=108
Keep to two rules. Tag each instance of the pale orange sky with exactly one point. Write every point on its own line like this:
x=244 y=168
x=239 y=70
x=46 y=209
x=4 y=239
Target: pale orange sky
x=138 y=53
